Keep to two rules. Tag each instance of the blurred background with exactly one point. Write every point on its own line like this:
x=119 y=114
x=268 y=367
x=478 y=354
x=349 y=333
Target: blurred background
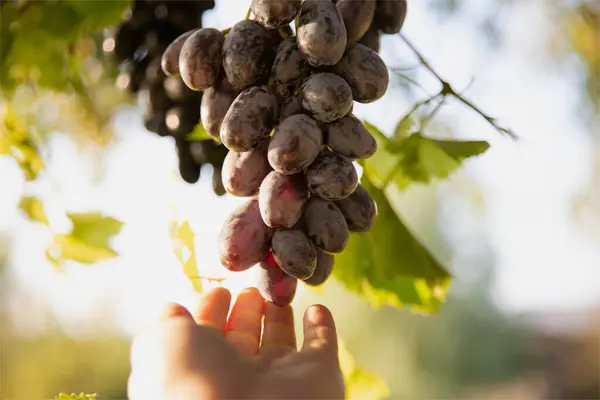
x=518 y=226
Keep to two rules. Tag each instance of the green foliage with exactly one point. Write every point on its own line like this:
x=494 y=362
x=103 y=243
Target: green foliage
x=183 y=241
x=34 y=209
x=414 y=158
x=38 y=39
x=88 y=241
x=388 y=265
x=199 y=134
x=73 y=396
x=17 y=141
x=360 y=384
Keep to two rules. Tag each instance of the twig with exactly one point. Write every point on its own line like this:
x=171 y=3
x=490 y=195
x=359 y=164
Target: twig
x=448 y=90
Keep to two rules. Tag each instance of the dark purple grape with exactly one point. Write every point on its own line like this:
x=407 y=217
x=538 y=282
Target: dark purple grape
x=250 y=119
x=216 y=101
x=359 y=209
x=188 y=169
x=217 y=181
x=295 y=144
x=275 y=285
x=325 y=225
x=170 y=58
x=155 y=122
x=390 y=15
x=244 y=172
x=349 y=137
x=290 y=106
x=322 y=270
x=248 y=53
x=331 y=176
x=288 y=70
x=200 y=58
x=357 y=16
x=326 y=96
x=365 y=72
x=282 y=199
x=372 y=39
x=275 y=14
x=181 y=120
x=321 y=33
x=294 y=253
x=244 y=239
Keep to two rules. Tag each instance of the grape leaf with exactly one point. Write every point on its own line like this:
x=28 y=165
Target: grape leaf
x=423 y=159
x=183 y=238
x=388 y=265
x=199 y=134
x=88 y=241
x=99 y=14
x=415 y=158
x=360 y=384
x=34 y=209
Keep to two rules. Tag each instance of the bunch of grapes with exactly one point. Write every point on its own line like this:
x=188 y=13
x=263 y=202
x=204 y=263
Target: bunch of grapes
x=170 y=108
x=281 y=101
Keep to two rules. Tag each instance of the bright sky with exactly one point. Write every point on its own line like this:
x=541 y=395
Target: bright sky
x=544 y=261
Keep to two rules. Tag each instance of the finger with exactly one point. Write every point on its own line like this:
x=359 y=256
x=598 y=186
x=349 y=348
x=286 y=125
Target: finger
x=279 y=337
x=213 y=308
x=172 y=310
x=319 y=330
x=244 y=325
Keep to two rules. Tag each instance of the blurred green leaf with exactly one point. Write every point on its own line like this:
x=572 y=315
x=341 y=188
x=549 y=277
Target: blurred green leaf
x=199 y=134
x=404 y=127
x=88 y=241
x=388 y=265
x=16 y=141
x=360 y=384
x=183 y=238
x=34 y=209
x=381 y=164
x=99 y=14
x=423 y=159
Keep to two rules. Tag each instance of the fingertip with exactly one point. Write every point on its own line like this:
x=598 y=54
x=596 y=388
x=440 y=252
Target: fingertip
x=212 y=308
x=318 y=314
x=172 y=310
x=319 y=329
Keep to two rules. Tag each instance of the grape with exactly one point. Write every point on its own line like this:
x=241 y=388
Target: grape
x=359 y=209
x=275 y=14
x=390 y=15
x=217 y=181
x=357 y=16
x=244 y=172
x=244 y=239
x=294 y=253
x=250 y=119
x=200 y=58
x=372 y=39
x=331 y=176
x=322 y=270
x=275 y=285
x=248 y=53
x=326 y=96
x=181 y=120
x=153 y=99
x=349 y=137
x=215 y=103
x=177 y=90
x=188 y=169
x=365 y=72
x=290 y=106
x=288 y=69
x=156 y=123
x=127 y=40
x=282 y=199
x=325 y=225
x=295 y=144
x=170 y=58
x=321 y=33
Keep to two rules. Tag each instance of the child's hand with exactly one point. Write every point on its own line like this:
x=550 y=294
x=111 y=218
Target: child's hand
x=205 y=355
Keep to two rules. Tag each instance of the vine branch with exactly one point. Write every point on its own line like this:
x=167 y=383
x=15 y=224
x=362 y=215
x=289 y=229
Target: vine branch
x=448 y=90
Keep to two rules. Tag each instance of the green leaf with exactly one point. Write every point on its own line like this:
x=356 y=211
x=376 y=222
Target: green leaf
x=381 y=164
x=360 y=384
x=403 y=128
x=423 y=159
x=183 y=238
x=16 y=141
x=88 y=241
x=34 y=209
x=199 y=134
x=388 y=265
x=99 y=14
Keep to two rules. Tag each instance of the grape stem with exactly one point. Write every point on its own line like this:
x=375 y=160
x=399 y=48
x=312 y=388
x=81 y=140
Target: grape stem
x=448 y=90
